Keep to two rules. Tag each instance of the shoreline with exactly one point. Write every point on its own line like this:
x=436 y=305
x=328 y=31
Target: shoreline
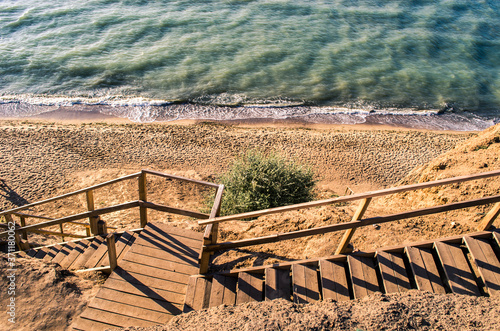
x=289 y=116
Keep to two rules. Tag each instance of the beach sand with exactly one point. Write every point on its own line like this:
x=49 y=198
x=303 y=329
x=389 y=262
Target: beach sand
x=45 y=157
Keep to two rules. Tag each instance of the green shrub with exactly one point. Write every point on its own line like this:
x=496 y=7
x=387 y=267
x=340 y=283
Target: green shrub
x=256 y=181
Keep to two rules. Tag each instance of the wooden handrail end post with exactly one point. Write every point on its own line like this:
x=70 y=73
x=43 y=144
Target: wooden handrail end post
x=143 y=196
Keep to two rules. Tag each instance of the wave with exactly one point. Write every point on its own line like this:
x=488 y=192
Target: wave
x=143 y=110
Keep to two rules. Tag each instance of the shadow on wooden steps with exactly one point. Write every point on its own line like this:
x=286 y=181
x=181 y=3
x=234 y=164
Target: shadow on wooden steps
x=466 y=264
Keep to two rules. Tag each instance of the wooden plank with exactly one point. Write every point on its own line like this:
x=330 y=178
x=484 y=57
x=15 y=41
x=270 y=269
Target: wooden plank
x=223 y=291
x=334 y=280
x=143 y=197
x=113 y=318
x=195 y=181
x=393 y=272
x=143 y=291
x=363 y=276
x=161 y=263
x=166 y=231
x=152 y=239
x=278 y=284
x=147 y=280
x=456 y=269
x=197 y=294
x=349 y=225
x=31 y=252
x=360 y=212
x=145 y=269
x=129 y=310
x=89 y=252
x=349 y=198
x=64 y=252
x=250 y=288
x=167 y=254
x=487 y=263
x=140 y=301
x=73 y=255
x=305 y=284
x=85 y=324
x=425 y=270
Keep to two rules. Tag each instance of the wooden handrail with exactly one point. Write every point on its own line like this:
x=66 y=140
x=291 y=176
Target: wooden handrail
x=195 y=181
x=350 y=225
x=349 y=198
x=110 y=182
x=67 y=195
x=173 y=210
x=80 y=216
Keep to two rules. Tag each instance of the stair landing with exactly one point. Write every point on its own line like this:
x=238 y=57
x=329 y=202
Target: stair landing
x=149 y=285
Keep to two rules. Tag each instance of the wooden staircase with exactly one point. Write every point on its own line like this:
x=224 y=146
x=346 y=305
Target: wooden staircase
x=86 y=253
x=149 y=285
x=467 y=264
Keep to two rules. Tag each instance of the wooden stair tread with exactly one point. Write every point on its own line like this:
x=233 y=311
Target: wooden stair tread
x=305 y=284
x=166 y=254
x=456 y=268
x=64 y=252
x=250 y=288
x=486 y=261
x=223 y=291
x=73 y=255
x=278 y=284
x=81 y=260
x=334 y=280
x=393 y=272
x=98 y=254
x=138 y=312
x=121 y=320
x=363 y=276
x=424 y=270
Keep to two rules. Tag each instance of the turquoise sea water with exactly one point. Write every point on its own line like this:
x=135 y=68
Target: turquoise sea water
x=363 y=54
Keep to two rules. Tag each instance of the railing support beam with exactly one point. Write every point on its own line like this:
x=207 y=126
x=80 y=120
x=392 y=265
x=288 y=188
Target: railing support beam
x=349 y=233
x=488 y=220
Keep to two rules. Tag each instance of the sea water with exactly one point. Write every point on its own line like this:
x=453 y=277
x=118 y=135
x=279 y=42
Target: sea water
x=252 y=58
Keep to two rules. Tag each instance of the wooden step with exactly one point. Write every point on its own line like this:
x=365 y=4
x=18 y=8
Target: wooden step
x=363 y=276
x=393 y=272
x=120 y=245
x=457 y=270
x=305 y=284
x=78 y=250
x=250 y=288
x=487 y=263
x=278 y=284
x=81 y=260
x=97 y=255
x=64 y=252
x=424 y=269
x=334 y=280
x=223 y=291
x=197 y=294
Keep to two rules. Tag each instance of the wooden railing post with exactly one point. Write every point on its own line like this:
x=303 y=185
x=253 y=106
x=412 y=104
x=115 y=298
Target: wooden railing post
x=24 y=234
x=211 y=232
x=349 y=233
x=90 y=207
x=488 y=220
x=143 y=195
x=113 y=263
x=62 y=232
x=102 y=228
x=93 y=225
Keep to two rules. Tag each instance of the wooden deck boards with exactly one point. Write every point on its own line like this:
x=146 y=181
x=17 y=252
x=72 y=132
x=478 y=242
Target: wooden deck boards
x=487 y=263
x=149 y=285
